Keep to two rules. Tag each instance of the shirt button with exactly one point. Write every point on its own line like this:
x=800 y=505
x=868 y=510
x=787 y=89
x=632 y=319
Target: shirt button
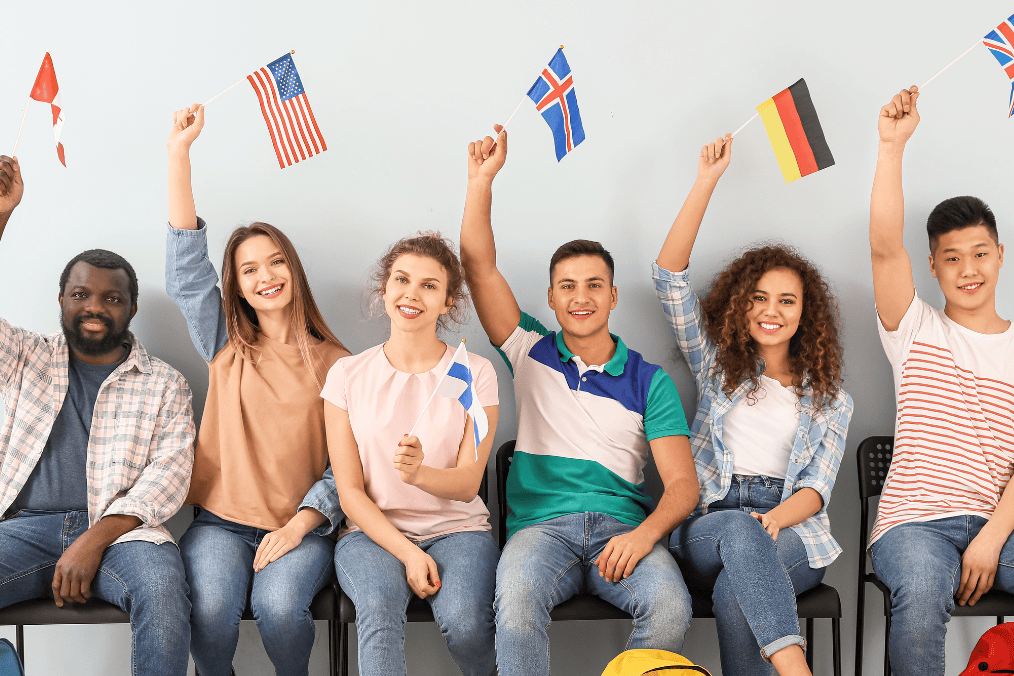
x=584 y=380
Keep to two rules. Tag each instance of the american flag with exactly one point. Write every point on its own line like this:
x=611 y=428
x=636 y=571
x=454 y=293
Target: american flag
x=286 y=110
x=554 y=96
x=1001 y=45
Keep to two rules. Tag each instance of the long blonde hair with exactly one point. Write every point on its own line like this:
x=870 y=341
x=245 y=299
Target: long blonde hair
x=241 y=319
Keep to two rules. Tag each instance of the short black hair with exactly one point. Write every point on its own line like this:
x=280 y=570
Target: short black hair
x=107 y=260
x=581 y=247
x=958 y=213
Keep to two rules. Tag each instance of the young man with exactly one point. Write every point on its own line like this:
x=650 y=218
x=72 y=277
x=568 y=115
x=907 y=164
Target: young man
x=589 y=412
x=943 y=528
x=95 y=454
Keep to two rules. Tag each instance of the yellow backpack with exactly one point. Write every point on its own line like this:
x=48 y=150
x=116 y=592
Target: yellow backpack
x=642 y=662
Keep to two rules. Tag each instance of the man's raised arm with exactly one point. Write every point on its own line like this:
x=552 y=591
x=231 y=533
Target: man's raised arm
x=893 y=287
x=494 y=301
x=11 y=189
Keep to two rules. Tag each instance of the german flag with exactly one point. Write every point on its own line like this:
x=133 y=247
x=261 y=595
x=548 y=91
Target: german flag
x=795 y=133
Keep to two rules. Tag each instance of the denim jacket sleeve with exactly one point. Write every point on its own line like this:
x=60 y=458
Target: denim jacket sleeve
x=822 y=469
x=682 y=310
x=323 y=496
x=192 y=283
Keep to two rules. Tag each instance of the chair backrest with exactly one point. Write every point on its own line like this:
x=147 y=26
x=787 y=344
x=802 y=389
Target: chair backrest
x=873 y=460
x=504 y=456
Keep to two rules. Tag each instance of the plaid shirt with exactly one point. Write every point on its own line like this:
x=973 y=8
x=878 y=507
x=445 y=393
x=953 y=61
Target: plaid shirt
x=819 y=443
x=141 y=446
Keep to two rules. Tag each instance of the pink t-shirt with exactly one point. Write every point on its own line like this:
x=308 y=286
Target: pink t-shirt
x=383 y=403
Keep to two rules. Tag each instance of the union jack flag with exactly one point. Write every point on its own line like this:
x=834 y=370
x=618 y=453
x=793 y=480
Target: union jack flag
x=554 y=96
x=286 y=111
x=1001 y=45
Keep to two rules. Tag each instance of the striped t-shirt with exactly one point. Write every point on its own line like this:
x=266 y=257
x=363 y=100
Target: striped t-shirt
x=583 y=430
x=954 y=434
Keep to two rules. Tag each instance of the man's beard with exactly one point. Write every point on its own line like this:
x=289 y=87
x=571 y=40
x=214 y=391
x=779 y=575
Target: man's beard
x=94 y=347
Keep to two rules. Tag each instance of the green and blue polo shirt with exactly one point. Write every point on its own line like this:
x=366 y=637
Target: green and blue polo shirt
x=583 y=431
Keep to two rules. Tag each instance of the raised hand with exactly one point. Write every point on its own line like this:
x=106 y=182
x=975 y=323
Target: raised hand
x=11 y=186
x=715 y=158
x=408 y=458
x=900 y=117
x=187 y=126
x=485 y=159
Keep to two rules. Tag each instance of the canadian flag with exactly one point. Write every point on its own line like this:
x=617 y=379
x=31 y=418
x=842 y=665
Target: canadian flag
x=46 y=90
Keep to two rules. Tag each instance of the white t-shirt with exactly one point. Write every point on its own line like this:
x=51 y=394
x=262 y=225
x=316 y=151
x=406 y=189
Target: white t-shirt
x=954 y=434
x=760 y=435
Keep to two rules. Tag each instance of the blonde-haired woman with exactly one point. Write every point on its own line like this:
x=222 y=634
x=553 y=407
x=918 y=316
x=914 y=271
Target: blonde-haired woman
x=260 y=469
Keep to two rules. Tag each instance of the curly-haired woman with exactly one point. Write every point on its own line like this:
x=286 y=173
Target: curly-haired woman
x=414 y=522
x=768 y=436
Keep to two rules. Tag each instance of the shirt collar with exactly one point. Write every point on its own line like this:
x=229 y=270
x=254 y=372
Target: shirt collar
x=613 y=367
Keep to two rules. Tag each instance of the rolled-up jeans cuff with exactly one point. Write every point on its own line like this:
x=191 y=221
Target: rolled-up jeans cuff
x=784 y=642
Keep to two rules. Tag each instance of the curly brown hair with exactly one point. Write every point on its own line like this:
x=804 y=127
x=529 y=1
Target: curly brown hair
x=815 y=350
x=441 y=249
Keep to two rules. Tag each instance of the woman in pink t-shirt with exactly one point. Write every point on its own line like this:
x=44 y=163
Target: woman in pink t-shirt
x=414 y=522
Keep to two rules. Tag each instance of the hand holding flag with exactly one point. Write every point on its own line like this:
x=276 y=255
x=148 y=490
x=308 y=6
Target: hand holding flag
x=457 y=383
x=11 y=185
x=485 y=160
x=187 y=126
x=408 y=459
x=714 y=159
x=899 y=118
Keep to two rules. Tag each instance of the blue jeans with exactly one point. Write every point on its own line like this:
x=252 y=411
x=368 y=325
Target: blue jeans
x=920 y=562
x=546 y=563
x=754 y=578
x=142 y=578
x=218 y=556
x=463 y=608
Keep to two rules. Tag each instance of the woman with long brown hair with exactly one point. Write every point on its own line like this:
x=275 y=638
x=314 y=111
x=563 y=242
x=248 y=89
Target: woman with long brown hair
x=260 y=473
x=768 y=435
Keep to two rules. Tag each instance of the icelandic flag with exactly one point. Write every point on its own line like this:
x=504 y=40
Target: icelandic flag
x=457 y=383
x=1001 y=44
x=555 y=98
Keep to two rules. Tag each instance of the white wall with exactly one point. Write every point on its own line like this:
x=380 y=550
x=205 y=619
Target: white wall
x=399 y=88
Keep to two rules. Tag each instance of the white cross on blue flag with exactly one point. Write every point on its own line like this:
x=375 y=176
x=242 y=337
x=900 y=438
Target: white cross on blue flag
x=458 y=384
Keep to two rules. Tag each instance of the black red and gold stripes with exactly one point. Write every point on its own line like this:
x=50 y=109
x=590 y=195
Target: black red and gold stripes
x=794 y=131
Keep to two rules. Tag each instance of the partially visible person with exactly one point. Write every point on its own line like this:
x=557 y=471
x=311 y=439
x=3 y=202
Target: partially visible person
x=95 y=455
x=261 y=477
x=590 y=411
x=942 y=534
x=768 y=436
x=415 y=522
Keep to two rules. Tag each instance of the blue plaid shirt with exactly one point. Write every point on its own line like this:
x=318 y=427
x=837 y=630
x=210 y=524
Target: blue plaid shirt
x=819 y=443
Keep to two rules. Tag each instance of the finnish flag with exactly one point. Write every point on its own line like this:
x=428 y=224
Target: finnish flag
x=457 y=383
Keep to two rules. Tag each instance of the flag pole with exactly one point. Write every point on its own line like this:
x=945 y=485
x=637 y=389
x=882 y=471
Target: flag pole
x=435 y=389
x=744 y=124
x=291 y=51
x=977 y=43
x=504 y=128
x=15 y=151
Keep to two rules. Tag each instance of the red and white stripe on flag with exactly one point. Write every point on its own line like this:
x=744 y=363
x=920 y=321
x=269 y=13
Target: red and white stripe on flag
x=46 y=90
x=293 y=129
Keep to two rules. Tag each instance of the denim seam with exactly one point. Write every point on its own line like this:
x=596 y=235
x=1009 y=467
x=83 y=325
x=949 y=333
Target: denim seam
x=349 y=577
x=556 y=581
x=130 y=599
x=27 y=573
x=633 y=595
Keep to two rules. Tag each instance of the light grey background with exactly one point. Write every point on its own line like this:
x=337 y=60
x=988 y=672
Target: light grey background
x=399 y=88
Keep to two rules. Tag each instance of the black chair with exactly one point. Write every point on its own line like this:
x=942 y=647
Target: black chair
x=821 y=602
x=418 y=609
x=873 y=460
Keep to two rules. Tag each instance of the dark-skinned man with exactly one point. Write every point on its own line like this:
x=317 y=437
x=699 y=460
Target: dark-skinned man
x=95 y=454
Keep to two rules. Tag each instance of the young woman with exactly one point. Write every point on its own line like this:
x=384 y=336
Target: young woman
x=261 y=452
x=414 y=522
x=768 y=436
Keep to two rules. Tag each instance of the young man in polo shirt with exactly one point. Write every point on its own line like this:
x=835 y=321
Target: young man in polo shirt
x=95 y=454
x=944 y=522
x=589 y=412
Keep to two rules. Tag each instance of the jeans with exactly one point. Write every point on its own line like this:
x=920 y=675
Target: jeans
x=218 y=556
x=920 y=562
x=463 y=608
x=754 y=578
x=546 y=563
x=142 y=578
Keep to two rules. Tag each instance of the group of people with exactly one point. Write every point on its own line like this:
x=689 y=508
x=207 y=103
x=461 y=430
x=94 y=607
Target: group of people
x=304 y=468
